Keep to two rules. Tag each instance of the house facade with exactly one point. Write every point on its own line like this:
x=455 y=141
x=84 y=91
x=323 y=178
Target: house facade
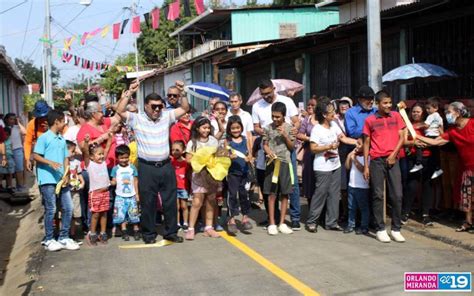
x=12 y=85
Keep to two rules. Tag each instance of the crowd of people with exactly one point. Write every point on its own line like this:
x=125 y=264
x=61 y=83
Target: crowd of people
x=118 y=170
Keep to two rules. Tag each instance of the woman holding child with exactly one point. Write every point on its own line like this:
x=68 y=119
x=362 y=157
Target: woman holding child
x=461 y=133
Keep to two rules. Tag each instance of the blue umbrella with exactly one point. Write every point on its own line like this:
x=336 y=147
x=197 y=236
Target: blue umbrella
x=205 y=91
x=424 y=71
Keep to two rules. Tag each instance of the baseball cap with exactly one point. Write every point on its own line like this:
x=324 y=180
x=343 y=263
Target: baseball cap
x=346 y=99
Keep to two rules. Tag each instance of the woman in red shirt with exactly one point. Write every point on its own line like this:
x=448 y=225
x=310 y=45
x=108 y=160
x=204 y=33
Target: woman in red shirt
x=461 y=133
x=419 y=178
x=181 y=130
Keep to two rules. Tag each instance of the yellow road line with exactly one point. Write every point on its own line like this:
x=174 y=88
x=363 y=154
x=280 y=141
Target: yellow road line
x=161 y=243
x=286 y=277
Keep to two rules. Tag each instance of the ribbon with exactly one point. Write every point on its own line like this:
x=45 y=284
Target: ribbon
x=206 y=157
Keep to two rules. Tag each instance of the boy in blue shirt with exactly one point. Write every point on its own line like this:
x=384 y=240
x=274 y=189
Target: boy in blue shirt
x=51 y=155
x=125 y=177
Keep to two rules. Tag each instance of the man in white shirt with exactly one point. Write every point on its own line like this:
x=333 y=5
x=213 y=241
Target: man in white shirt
x=235 y=101
x=262 y=117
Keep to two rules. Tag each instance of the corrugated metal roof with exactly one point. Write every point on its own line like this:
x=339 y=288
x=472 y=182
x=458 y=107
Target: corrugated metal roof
x=8 y=63
x=309 y=40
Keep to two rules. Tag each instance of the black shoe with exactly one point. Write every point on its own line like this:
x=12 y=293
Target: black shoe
x=149 y=241
x=295 y=225
x=348 y=230
x=334 y=228
x=137 y=235
x=312 y=228
x=174 y=238
x=404 y=220
x=103 y=238
x=185 y=227
x=358 y=231
x=427 y=221
x=125 y=236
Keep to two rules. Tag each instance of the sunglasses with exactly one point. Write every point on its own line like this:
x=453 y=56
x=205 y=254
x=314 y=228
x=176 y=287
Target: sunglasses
x=157 y=106
x=172 y=95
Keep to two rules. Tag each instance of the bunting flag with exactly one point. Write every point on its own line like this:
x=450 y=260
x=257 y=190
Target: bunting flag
x=105 y=31
x=199 y=4
x=173 y=12
x=146 y=16
x=187 y=9
x=116 y=31
x=68 y=43
x=124 y=24
x=84 y=37
x=76 y=60
x=136 y=24
x=155 y=18
x=95 y=32
x=166 y=10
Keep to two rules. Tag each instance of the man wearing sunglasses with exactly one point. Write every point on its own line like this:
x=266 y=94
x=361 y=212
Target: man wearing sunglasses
x=156 y=175
x=173 y=98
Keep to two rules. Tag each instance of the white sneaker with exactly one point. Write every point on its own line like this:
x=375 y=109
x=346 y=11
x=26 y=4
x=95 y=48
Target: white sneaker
x=283 y=228
x=382 y=236
x=416 y=168
x=397 y=236
x=272 y=230
x=437 y=173
x=52 y=245
x=69 y=244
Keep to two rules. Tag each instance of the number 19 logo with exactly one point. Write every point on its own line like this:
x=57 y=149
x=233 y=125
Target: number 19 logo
x=455 y=282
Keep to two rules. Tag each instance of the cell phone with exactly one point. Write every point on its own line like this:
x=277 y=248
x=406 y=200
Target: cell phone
x=301 y=105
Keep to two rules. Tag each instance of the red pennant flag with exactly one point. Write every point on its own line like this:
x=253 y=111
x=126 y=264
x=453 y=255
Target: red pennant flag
x=173 y=12
x=136 y=24
x=116 y=31
x=155 y=18
x=199 y=4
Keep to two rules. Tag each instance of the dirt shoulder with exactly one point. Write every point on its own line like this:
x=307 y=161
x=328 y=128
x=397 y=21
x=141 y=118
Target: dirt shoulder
x=21 y=230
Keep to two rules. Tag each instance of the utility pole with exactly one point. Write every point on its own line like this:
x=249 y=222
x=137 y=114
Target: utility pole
x=48 y=82
x=374 y=44
x=140 y=100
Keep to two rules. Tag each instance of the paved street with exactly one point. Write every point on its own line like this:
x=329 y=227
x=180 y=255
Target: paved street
x=328 y=263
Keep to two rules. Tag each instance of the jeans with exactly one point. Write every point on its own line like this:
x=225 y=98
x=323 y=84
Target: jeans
x=358 y=198
x=49 y=203
x=416 y=180
x=238 y=198
x=379 y=171
x=295 y=210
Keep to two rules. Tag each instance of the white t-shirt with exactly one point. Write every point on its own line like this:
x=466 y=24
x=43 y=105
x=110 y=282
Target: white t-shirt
x=215 y=125
x=125 y=177
x=15 y=138
x=246 y=120
x=98 y=176
x=211 y=142
x=262 y=111
x=435 y=122
x=356 y=177
x=328 y=160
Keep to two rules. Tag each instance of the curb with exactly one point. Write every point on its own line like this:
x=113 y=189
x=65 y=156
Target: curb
x=444 y=239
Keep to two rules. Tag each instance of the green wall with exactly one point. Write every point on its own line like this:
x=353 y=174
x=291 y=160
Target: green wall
x=259 y=25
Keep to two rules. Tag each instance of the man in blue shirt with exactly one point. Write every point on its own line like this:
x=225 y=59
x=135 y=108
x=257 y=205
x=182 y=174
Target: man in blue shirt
x=355 y=116
x=51 y=155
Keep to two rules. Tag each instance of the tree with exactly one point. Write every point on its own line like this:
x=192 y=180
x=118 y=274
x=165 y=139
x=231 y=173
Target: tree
x=154 y=44
x=113 y=79
x=34 y=74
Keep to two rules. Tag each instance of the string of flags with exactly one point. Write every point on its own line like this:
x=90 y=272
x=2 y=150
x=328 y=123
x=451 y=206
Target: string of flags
x=152 y=19
x=87 y=64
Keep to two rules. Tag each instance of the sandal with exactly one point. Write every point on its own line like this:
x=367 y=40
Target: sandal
x=464 y=227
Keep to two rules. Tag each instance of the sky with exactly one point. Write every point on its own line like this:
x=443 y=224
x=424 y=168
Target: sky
x=22 y=26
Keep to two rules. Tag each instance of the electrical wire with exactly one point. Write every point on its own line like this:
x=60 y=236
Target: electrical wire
x=13 y=7
x=73 y=19
x=27 y=25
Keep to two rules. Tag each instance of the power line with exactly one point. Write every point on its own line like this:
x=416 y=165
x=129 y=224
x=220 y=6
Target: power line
x=64 y=28
x=27 y=25
x=15 y=6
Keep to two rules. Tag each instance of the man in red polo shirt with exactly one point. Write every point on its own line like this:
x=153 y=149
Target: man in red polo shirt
x=383 y=137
